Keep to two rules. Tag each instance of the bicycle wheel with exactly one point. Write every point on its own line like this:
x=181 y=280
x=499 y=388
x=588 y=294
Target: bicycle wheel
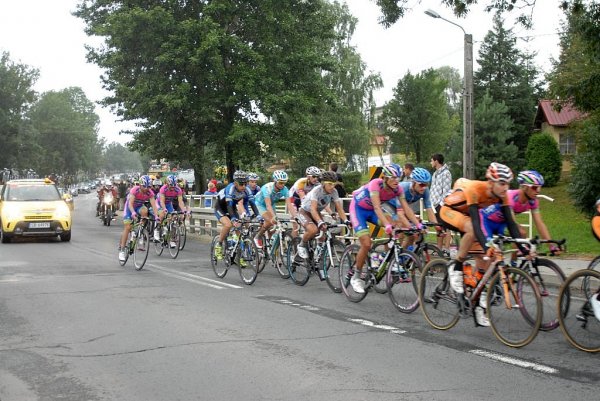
x=428 y=251
x=262 y=257
x=247 y=261
x=380 y=286
x=127 y=247
x=595 y=264
x=219 y=264
x=579 y=324
x=346 y=272
x=438 y=301
x=182 y=234
x=279 y=258
x=299 y=267
x=548 y=277
x=506 y=304
x=331 y=270
x=173 y=240
x=159 y=245
x=141 y=248
x=402 y=281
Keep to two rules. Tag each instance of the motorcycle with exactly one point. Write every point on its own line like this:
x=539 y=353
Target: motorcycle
x=107 y=209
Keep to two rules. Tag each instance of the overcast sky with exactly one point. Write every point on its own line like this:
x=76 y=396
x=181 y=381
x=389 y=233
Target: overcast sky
x=44 y=35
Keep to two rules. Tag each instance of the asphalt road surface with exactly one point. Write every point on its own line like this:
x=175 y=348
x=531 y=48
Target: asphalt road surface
x=74 y=325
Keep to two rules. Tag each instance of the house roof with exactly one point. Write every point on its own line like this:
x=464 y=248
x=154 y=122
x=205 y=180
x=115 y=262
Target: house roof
x=562 y=118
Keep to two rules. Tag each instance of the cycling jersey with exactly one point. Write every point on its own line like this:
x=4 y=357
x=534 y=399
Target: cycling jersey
x=412 y=197
x=269 y=191
x=469 y=192
x=170 y=194
x=300 y=187
x=596 y=226
x=494 y=214
x=139 y=200
x=254 y=191
x=362 y=196
x=228 y=198
x=323 y=198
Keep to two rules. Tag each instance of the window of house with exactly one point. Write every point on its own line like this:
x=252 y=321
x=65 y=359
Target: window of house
x=567 y=144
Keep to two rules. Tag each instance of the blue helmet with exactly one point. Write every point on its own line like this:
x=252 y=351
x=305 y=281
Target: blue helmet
x=392 y=170
x=145 y=181
x=171 y=180
x=420 y=174
x=530 y=177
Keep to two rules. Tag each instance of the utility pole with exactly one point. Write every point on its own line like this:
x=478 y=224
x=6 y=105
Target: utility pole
x=468 y=129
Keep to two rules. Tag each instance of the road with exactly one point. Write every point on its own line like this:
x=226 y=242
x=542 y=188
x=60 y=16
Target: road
x=77 y=326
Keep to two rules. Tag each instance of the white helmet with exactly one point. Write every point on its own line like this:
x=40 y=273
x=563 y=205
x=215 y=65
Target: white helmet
x=314 y=171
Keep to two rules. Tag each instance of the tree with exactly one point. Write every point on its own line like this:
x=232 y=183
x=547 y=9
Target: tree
x=543 y=155
x=228 y=74
x=67 y=128
x=118 y=159
x=393 y=10
x=509 y=76
x=416 y=118
x=454 y=88
x=16 y=96
x=585 y=186
x=493 y=135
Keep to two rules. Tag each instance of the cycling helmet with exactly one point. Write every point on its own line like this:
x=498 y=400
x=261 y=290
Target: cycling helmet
x=253 y=177
x=530 y=177
x=157 y=183
x=240 y=177
x=392 y=170
x=280 y=175
x=420 y=174
x=314 y=171
x=499 y=173
x=328 y=176
x=597 y=203
x=172 y=180
x=145 y=181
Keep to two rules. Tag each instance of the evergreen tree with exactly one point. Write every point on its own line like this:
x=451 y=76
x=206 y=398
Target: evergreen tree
x=543 y=155
x=510 y=77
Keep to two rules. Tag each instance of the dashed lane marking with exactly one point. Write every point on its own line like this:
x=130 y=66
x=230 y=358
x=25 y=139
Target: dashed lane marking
x=514 y=361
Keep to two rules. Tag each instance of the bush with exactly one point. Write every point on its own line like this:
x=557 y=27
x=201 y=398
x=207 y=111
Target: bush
x=543 y=155
x=352 y=181
x=585 y=186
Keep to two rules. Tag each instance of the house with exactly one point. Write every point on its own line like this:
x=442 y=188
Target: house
x=558 y=124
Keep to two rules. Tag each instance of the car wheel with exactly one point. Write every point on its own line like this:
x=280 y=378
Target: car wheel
x=66 y=237
x=3 y=237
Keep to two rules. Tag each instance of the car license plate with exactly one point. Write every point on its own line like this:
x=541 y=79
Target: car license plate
x=40 y=225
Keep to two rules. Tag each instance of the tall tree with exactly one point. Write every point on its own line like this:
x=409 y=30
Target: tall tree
x=229 y=73
x=418 y=128
x=509 y=76
x=493 y=135
x=68 y=132
x=16 y=96
x=118 y=159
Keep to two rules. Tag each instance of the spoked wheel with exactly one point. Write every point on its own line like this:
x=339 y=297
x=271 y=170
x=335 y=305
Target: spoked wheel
x=548 y=277
x=332 y=270
x=174 y=240
x=429 y=252
x=219 y=263
x=182 y=234
x=159 y=245
x=279 y=258
x=140 y=252
x=515 y=308
x=127 y=248
x=438 y=301
x=346 y=272
x=262 y=257
x=247 y=260
x=402 y=282
x=299 y=267
x=381 y=286
x=579 y=324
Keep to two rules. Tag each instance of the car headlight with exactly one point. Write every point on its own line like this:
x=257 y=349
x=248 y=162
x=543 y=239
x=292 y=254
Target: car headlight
x=12 y=212
x=62 y=211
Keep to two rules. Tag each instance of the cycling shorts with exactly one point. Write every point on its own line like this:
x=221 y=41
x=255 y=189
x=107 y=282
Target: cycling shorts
x=219 y=212
x=127 y=216
x=456 y=221
x=360 y=217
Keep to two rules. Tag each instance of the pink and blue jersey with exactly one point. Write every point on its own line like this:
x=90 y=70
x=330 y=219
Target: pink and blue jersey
x=139 y=199
x=362 y=196
x=492 y=218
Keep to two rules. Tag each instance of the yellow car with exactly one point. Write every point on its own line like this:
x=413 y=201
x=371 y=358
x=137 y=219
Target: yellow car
x=33 y=208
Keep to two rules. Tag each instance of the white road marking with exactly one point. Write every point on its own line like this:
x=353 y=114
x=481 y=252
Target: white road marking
x=199 y=279
x=514 y=361
x=369 y=323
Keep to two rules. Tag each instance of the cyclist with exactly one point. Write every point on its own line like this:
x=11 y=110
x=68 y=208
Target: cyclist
x=366 y=207
x=309 y=213
x=298 y=191
x=460 y=212
x=252 y=183
x=106 y=188
x=265 y=201
x=138 y=195
x=156 y=185
x=520 y=201
x=596 y=221
x=168 y=195
x=227 y=204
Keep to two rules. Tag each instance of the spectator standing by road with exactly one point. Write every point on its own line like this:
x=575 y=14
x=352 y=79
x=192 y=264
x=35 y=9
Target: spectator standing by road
x=210 y=192
x=339 y=185
x=407 y=171
x=441 y=185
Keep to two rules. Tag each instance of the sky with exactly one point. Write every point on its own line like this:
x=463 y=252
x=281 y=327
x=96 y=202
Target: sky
x=43 y=34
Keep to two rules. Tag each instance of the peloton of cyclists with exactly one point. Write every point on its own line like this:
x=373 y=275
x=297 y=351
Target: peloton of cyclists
x=170 y=199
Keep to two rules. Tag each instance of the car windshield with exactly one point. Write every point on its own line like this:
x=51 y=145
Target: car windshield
x=31 y=192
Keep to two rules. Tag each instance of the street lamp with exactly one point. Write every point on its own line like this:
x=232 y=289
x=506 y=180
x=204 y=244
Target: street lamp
x=468 y=132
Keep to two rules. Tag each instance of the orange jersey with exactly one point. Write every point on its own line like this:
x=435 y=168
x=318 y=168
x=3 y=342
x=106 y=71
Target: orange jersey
x=470 y=192
x=596 y=226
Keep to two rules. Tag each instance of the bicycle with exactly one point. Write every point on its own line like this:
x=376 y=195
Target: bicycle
x=400 y=268
x=181 y=227
x=169 y=235
x=240 y=250
x=424 y=250
x=324 y=256
x=275 y=249
x=579 y=324
x=547 y=275
x=510 y=292
x=138 y=243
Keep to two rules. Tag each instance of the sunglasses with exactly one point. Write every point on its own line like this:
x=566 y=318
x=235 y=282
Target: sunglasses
x=281 y=182
x=422 y=184
x=535 y=187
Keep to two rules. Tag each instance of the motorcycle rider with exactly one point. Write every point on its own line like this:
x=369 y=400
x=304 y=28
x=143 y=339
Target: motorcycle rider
x=106 y=188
